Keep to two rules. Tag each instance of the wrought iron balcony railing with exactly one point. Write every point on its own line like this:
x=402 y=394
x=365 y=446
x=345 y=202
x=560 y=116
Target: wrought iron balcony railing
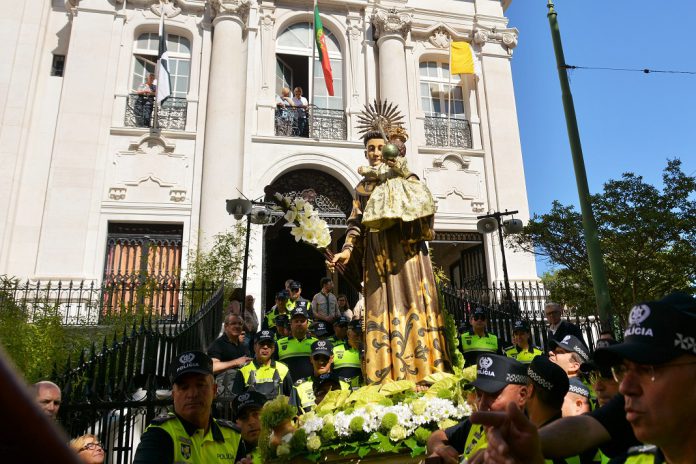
x=314 y=122
x=442 y=131
x=170 y=115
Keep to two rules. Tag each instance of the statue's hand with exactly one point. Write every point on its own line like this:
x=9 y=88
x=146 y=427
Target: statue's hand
x=339 y=258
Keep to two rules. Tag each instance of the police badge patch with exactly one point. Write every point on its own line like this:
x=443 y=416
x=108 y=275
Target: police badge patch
x=185 y=450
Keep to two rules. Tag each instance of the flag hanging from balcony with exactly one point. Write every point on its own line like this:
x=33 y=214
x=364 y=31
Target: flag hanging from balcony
x=164 y=86
x=323 y=50
x=462 y=58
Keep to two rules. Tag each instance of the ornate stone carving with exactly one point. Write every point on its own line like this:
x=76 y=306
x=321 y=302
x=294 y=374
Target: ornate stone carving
x=440 y=39
x=452 y=161
x=267 y=20
x=167 y=8
x=117 y=193
x=177 y=195
x=238 y=8
x=391 y=22
x=478 y=206
x=506 y=37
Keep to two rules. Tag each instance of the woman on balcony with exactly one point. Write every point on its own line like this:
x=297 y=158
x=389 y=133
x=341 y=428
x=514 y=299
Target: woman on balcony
x=146 y=99
x=300 y=105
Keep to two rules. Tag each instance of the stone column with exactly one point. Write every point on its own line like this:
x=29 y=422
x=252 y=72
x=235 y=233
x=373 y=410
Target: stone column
x=223 y=154
x=391 y=28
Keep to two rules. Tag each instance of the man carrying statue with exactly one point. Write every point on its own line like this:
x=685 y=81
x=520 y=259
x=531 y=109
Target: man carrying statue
x=385 y=248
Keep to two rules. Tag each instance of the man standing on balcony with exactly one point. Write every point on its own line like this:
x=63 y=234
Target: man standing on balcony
x=146 y=99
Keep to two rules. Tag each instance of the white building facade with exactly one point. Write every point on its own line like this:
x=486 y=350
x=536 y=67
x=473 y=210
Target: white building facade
x=86 y=179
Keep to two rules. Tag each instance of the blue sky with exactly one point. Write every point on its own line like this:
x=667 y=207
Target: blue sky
x=628 y=121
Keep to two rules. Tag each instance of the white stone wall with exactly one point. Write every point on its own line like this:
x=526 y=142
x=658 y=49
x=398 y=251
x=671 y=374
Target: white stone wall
x=70 y=166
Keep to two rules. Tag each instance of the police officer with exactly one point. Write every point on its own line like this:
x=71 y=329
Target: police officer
x=320 y=330
x=340 y=336
x=499 y=381
x=347 y=358
x=296 y=299
x=247 y=410
x=190 y=433
x=477 y=340
x=522 y=349
x=324 y=384
x=264 y=374
x=282 y=326
x=269 y=319
x=295 y=349
x=569 y=353
x=322 y=357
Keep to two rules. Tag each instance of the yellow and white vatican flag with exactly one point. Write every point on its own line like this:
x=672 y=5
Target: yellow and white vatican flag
x=461 y=58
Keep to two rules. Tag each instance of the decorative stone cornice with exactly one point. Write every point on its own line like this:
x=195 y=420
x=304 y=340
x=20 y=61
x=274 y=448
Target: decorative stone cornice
x=167 y=8
x=231 y=8
x=391 y=22
x=440 y=38
x=505 y=37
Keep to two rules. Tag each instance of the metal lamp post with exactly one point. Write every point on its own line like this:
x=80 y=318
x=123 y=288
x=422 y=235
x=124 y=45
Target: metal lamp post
x=239 y=208
x=490 y=223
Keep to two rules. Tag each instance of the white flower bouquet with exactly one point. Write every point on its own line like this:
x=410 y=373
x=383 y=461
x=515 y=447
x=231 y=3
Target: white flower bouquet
x=308 y=226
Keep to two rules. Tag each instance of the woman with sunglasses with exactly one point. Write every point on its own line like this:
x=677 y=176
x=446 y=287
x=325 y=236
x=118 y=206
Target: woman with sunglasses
x=88 y=449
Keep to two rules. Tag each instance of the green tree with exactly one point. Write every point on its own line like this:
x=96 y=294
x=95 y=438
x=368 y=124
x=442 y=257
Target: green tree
x=223 y=262
x=647 y=237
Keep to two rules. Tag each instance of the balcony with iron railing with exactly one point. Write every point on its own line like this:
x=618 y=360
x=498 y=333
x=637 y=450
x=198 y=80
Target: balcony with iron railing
x=142 y=111
x=313 y=122
x=444 y=131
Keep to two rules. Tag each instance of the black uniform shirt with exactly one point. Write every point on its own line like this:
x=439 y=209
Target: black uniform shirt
x=224 y=350
x=613 y=418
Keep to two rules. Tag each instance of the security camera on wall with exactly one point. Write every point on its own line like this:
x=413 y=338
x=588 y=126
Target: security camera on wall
x=260 y=215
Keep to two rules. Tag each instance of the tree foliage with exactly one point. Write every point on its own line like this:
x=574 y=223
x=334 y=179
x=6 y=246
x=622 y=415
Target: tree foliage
x=223 y=262
x=647 y=238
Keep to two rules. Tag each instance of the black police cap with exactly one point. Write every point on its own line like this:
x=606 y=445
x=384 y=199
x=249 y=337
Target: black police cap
x=494 y=372
x=190 y=362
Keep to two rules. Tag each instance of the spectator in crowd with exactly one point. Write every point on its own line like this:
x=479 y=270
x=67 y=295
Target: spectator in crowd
x=296 y=299
x=88 y=449
x=264 y=374
x=190 y=434
x=359 y=308
x=247 y=410
x=251 y=319
x=499 y=380
x=235 y=306
x=295 y=349
x=324 y=304
x=343 y=306
x=48 y=397
x=522 y=349
x=301 y=106
x=227 y=352
x=577 y=400
x=321 y=359
x=145 y=101
x=558 y=328
x=569 y=353
x=478 y=340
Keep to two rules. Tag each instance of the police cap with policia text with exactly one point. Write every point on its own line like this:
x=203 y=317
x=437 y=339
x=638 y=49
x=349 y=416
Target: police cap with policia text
x=299 y=311
x=265 y=336
x=246 y=401
x=495 y=372
x=658 y=331
x=322 y=347
x=190 y=362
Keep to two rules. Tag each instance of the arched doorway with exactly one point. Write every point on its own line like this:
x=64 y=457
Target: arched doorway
x=285 y=258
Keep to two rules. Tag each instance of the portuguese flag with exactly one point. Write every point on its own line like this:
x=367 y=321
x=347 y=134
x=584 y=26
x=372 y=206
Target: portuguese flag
x=323 y=50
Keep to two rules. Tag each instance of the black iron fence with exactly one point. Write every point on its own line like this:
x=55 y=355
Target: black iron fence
x=443 y=131
x=526 y=301
x=314 y=122
x=171 y=114
x=163 y=298
x=116 y=390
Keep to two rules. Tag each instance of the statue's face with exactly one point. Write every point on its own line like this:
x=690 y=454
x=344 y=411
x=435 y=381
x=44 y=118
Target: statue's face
x=373 y=151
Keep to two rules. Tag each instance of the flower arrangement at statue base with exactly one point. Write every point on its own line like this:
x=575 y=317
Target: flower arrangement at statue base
x=394 y=417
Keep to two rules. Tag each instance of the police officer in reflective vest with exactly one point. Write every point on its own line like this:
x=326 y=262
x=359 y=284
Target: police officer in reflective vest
x=295 y=349
x=499 y=381
x=296 y=300
x=322 y=357
x=282 y=322
x=347 y=358
x=340 y=336
x=522 y=348
x=190 y=434
x=263 y=374
x=269 y=319
x=477 y=340
x=247 y=411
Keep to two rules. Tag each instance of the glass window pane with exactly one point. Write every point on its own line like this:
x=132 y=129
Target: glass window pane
x=184 y=66
x=423 y=68
x=445 y=71
x=184 y=45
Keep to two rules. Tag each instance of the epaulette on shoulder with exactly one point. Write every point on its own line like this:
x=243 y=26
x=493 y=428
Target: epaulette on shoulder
x=642 y=449
x=301 y=381
x=228 y=424
x=162 y=419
